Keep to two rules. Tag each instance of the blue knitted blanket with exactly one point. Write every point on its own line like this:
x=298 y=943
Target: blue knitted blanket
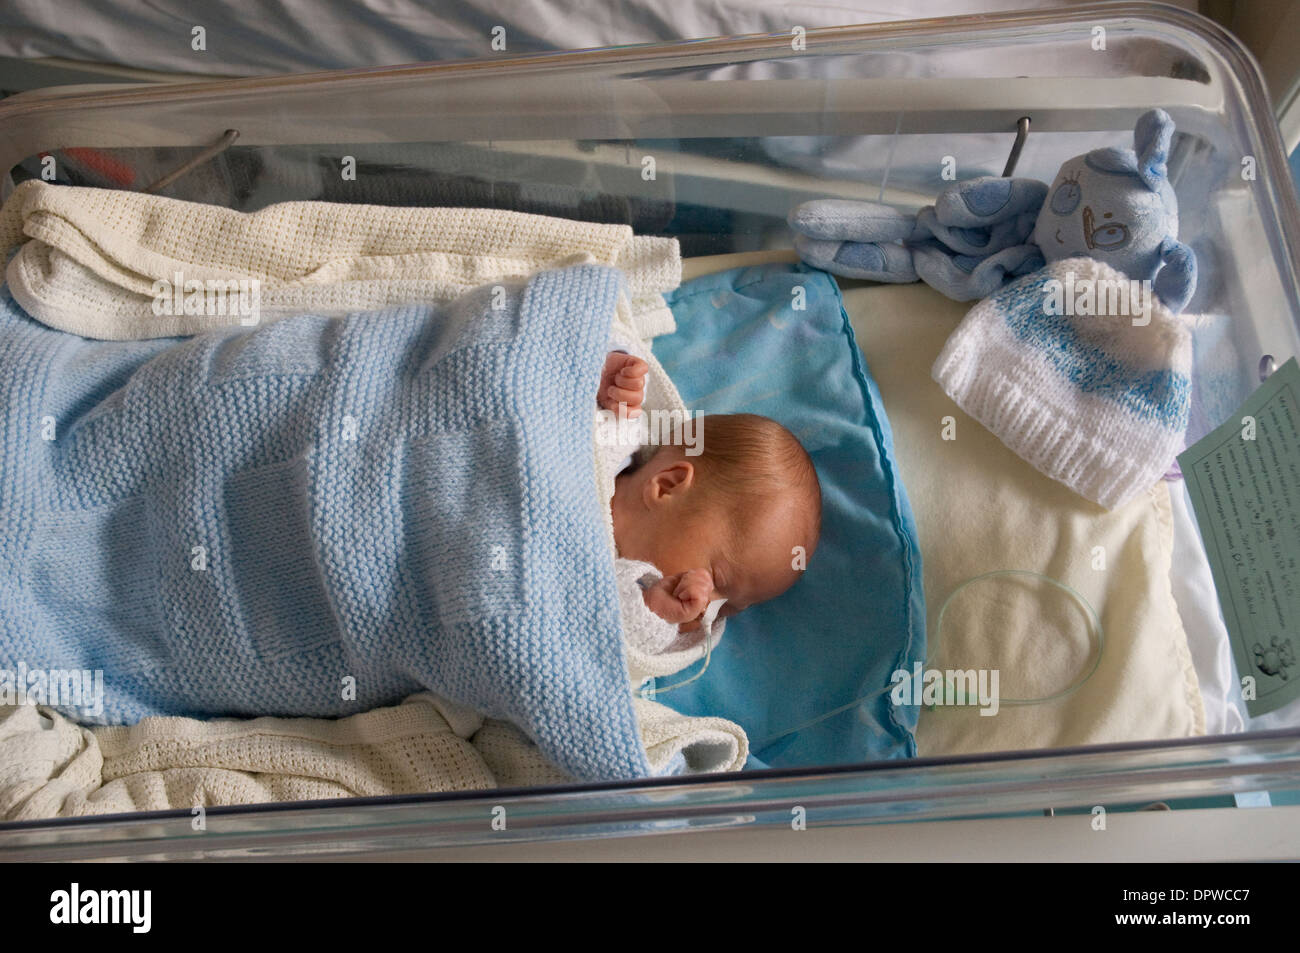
x=321 y=516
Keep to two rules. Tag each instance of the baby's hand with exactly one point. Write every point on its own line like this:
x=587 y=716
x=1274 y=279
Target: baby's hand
x=680 y=598
x=623 y=382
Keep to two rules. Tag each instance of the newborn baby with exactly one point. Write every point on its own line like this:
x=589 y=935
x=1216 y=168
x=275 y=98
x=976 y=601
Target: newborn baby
x=736 y=522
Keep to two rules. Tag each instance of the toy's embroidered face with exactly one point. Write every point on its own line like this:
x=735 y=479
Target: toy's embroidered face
x=1107 y=236
x=1095 y=211
x=1099 y=232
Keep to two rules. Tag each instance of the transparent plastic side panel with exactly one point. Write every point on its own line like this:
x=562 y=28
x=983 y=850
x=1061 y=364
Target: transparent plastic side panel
x=739 y=132
x=948 y=789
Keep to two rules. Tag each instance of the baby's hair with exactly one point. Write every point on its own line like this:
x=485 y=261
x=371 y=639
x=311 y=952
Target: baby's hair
x=744 y=456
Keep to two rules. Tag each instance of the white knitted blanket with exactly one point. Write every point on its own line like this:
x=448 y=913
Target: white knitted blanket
x=53 y=767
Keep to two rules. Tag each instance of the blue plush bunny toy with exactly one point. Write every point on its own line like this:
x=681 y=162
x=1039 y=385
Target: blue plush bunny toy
x=1115 y=205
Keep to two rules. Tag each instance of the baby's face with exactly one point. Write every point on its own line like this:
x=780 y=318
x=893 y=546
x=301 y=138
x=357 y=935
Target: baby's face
x=758 y=570
x=659 y=517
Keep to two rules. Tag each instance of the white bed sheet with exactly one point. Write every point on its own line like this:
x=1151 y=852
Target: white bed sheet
x=1207 y=636
x=294 y=36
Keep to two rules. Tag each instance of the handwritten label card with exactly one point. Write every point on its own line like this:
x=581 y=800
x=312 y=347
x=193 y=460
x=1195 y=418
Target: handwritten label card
x=1244 y=482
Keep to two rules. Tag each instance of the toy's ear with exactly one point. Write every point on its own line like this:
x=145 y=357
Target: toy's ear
x=1176 y=279
x=1151 y=138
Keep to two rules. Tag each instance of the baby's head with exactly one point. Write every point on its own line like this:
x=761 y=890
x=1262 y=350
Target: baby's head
x=747 y=508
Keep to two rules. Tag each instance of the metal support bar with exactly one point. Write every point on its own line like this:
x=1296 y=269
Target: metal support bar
x=1022 y=133
x=221 y=145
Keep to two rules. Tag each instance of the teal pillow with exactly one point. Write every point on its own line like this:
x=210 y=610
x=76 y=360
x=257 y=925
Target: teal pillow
x=807 y=675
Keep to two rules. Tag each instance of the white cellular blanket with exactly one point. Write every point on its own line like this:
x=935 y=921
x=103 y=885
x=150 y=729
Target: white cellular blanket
x=53 y=767
x=91 y=259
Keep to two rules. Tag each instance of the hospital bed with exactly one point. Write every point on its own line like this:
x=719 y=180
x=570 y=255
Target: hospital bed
x=741 y=130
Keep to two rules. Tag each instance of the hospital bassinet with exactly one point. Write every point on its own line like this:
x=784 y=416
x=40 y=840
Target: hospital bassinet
x=713 y=142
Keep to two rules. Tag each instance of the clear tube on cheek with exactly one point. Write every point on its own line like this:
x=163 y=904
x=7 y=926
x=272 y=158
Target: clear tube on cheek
x=711 y=615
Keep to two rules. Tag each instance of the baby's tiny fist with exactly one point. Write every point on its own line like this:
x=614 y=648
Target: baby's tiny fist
x=622 y=382
x=682 y=597
x=693 y=591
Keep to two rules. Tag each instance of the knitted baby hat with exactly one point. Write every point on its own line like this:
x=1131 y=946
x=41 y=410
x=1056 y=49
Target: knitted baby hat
x=1080 y=371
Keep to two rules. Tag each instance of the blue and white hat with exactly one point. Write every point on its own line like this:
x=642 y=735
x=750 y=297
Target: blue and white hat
x=1081 y=371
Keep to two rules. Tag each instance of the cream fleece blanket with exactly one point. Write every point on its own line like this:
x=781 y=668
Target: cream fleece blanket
x=87 y=264
x=980 y=508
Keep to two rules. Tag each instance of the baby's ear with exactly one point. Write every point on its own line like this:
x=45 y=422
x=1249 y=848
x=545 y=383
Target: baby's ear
x=670 y=481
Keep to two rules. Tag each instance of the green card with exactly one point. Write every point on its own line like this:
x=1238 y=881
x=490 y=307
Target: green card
x=1244 y=481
